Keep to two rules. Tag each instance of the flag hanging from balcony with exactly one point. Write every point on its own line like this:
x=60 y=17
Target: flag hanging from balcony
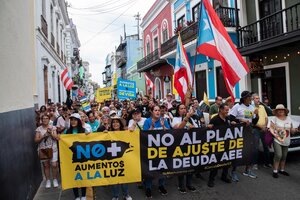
x=214 y=41
x=183 y=76
x=149 y=83
x=67 y=81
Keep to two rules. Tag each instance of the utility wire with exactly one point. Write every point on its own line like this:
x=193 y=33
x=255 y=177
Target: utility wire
x=106 y=10
x=86 y=42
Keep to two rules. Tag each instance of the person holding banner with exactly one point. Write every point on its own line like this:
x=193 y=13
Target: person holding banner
x=183 y=119
x=155 y=122
x=117 y=124
x=221 y=119
x=245 y=113
x=75 y=128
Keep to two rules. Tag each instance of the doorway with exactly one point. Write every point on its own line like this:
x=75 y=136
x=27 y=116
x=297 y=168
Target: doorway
x=201 y=84
x=274 y=86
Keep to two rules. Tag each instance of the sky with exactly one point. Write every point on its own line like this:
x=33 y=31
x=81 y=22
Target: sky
x=100 y=23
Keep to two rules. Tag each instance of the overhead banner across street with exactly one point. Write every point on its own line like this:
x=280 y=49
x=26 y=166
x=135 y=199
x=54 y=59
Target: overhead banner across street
x=111 y=158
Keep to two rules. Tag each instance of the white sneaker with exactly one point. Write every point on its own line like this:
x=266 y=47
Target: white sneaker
x=48 y=184
x=83 y=198
x=115 y=198
x=55 y=183
x=128 y=197
x=78 y=198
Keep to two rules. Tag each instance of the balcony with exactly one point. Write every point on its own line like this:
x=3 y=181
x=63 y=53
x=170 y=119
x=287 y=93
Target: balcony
x=188 y=34
x=52 y=40
x=227 y=16
x=277 y=29
x=151 y=60
x=44 y=26
x=121 y=58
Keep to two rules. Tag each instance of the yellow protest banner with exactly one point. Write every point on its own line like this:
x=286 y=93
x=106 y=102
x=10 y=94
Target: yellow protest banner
x=103 y=94
x=99 y=159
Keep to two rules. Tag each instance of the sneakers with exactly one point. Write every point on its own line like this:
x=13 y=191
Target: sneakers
x=234 y=176
x=249 y=173
x=210 y=183
x=55 y=184
x=226 y=180
x=162 y=190
x=182 y=190
x=115 y=198
x=48 y=184
x=148 y=193
x=284 y=173
x=83 y=198
x=275 y=175
x=255 y=167
x=191 y=188
x=78 y=198
x=127 y=197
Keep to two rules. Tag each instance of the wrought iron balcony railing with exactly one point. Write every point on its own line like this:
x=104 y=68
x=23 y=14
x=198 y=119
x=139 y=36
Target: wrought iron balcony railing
x=275 y=25
x=188 y=34
x=148 y=60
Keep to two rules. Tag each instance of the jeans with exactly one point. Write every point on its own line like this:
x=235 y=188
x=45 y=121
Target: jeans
x=256 y=133
x=76 y=192
x=188 y=180
x=148 y=182
x=267 y=159
x=116 y=190
x=213 y=173
x=260 y=135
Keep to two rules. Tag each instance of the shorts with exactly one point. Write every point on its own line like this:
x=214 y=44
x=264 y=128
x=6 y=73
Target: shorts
x=54 y=157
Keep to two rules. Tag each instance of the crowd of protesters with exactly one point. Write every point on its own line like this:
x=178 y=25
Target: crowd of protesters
x=147 y=113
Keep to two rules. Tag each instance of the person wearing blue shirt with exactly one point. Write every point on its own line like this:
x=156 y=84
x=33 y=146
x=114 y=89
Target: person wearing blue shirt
x=155 y=122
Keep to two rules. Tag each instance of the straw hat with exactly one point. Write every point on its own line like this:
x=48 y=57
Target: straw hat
x=280 y=107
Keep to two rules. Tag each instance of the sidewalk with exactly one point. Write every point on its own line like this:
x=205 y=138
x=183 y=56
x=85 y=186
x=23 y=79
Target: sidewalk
x=57 y=193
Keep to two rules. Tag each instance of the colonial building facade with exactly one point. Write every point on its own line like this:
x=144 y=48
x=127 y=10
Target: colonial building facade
x=157 y=29
x=56 y=37
x=270 y=39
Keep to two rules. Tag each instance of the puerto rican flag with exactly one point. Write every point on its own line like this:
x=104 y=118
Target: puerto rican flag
x=66 y=80
x=149 y=83
x=214 y=41
x=183 y=76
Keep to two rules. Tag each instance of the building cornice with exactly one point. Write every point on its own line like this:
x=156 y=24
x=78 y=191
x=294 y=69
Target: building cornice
x=153 y=13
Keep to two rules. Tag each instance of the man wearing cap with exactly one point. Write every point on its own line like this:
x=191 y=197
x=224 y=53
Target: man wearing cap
x=245 y=113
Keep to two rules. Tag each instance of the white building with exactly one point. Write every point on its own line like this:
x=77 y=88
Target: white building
x=55 y=39
x=72 y=45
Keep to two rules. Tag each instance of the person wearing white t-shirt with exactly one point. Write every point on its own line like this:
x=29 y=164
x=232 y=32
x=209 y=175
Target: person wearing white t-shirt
x=181 y=120
x=245 y=113
x=137 y=121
